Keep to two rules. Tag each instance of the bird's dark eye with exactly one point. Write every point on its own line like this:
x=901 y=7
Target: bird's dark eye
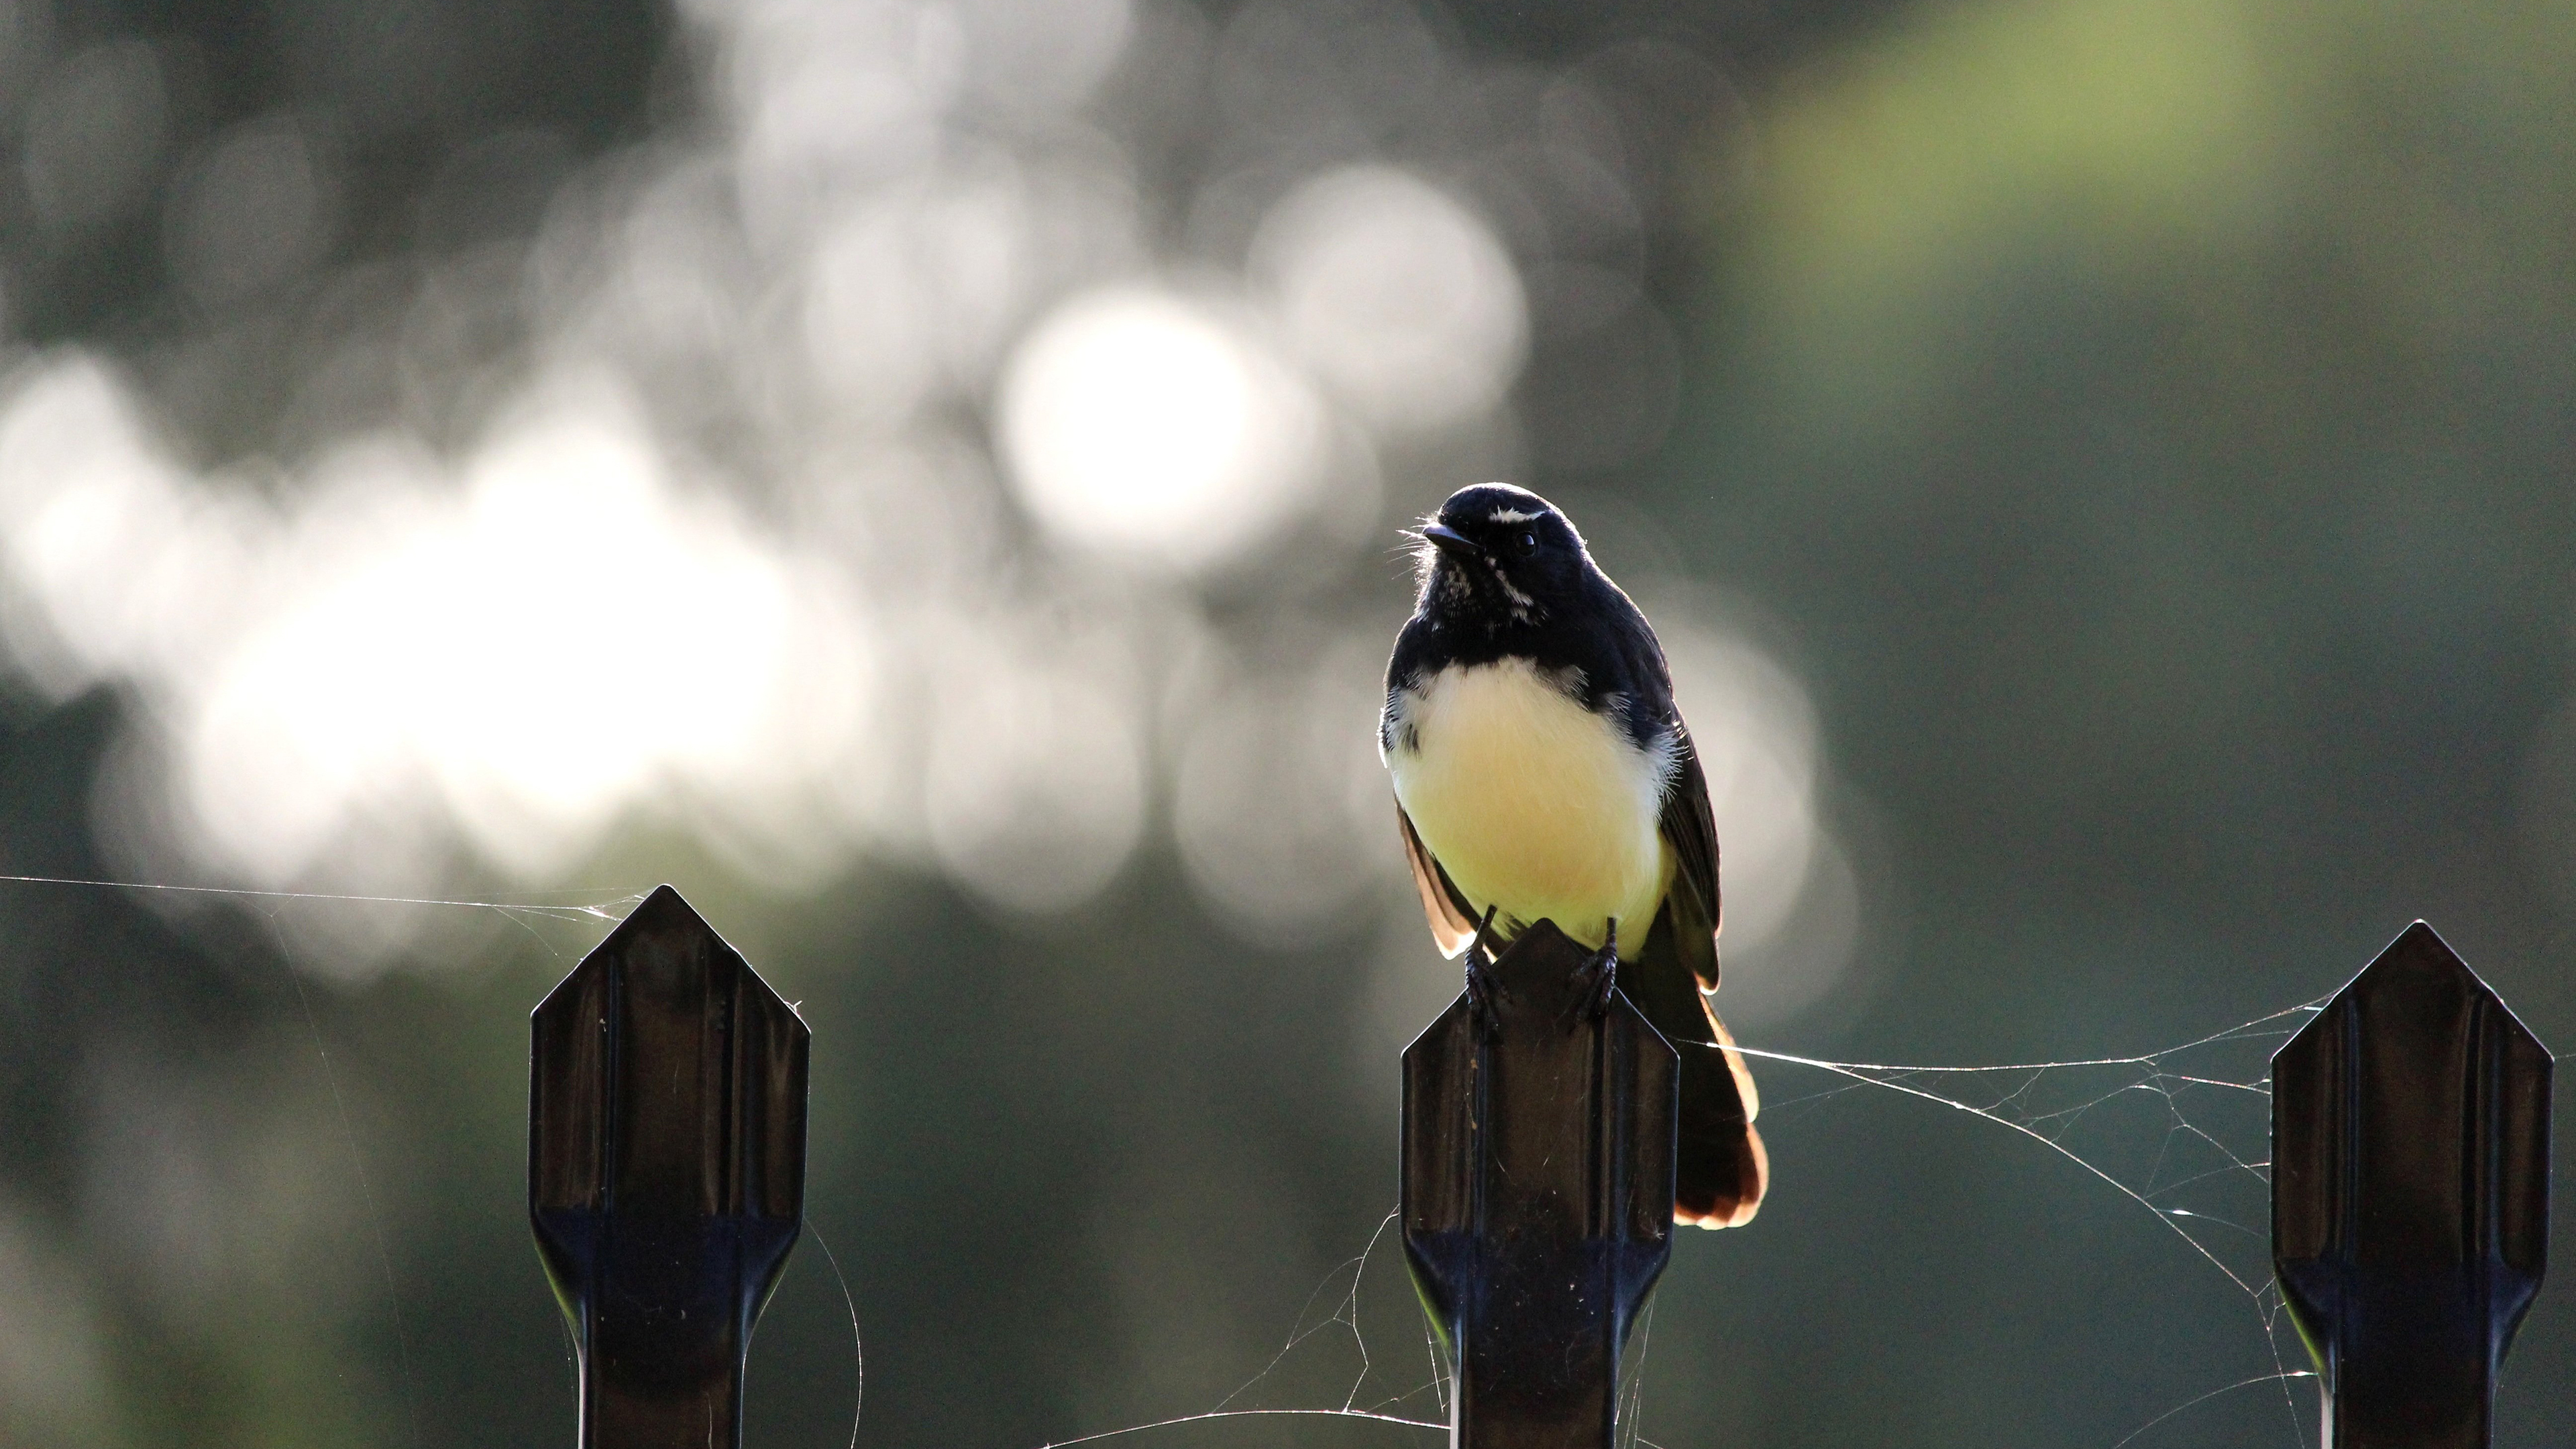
x=1526 y=544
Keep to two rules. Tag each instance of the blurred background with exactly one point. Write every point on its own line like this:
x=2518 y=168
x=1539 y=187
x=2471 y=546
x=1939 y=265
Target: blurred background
x=924 y=478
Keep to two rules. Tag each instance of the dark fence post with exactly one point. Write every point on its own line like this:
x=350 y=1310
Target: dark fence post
x=2410 y=1195
x=1538 y=1197
x=666 y=1172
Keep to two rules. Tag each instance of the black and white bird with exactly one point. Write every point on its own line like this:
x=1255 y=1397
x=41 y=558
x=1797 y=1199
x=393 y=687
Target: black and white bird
x=1543 y=773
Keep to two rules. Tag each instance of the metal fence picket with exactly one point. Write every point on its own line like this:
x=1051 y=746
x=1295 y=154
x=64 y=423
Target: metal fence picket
x=1538 y=1197
x=2410 y=1195
x=666 y=1172
x=666 y=1167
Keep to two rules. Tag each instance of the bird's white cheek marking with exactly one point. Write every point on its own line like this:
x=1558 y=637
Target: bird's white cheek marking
x=1532 y=803
x=1523 y=606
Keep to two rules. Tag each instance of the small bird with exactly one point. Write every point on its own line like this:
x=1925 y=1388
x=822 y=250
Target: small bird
x=1542 y=773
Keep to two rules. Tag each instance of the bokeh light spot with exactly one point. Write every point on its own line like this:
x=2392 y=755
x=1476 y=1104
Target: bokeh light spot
x=1142 y=423
x=1396 y=294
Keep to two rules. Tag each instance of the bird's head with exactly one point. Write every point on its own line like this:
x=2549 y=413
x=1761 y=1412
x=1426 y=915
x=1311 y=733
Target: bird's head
x=1499 y=556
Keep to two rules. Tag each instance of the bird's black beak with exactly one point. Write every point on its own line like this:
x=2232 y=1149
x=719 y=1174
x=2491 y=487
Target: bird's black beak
x=1451 y=542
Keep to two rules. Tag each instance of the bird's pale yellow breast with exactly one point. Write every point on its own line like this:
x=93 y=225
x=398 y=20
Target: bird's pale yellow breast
x=1531 y=802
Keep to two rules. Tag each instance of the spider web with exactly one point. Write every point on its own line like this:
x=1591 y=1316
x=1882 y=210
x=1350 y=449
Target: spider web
x=585 y=911
x=2181 y=1133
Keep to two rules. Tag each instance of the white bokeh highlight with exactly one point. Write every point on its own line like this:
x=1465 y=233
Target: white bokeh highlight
x=526 y=650
x=1138 y=422
x=1397 y=295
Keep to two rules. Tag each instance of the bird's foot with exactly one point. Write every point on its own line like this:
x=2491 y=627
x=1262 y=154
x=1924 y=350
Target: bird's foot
x=1599 y=977
x=1483 y=991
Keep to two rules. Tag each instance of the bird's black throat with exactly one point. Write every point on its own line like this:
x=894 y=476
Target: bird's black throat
x=1505 y=576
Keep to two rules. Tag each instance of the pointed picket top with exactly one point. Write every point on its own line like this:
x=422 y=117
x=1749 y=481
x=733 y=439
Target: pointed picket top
x=666 y=1170
x=2410 y=1195
x=1537 y=1196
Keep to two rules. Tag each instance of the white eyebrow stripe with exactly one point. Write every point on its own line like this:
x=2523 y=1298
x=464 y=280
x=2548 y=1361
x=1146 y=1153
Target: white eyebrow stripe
x=1512 y=515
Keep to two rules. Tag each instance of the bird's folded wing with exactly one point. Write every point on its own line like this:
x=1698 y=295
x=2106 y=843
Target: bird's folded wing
x=1453 y=921
x=1690 y=828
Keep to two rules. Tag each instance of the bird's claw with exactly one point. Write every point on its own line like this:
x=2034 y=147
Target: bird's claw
x=1484 y=993
x=1599 y=977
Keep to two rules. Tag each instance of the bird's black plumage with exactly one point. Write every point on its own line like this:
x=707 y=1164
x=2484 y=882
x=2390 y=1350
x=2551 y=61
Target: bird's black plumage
x=1506 y=579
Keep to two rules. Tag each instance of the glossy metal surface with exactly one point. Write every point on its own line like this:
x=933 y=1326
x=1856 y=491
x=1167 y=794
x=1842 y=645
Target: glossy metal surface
x=2410 y=1195
x=666 y=1172
x=1538 y=1197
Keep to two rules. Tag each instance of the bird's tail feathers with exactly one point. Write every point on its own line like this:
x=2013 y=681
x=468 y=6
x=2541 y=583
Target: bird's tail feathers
x=1722 y=1168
